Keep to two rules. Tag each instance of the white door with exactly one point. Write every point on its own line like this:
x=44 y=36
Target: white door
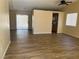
x=22 y=22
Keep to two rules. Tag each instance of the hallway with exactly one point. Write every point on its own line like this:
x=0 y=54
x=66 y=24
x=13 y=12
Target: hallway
x=28 y=46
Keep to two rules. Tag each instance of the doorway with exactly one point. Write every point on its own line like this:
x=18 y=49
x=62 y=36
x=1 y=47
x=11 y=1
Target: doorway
x=55 y=22
x=22 y=22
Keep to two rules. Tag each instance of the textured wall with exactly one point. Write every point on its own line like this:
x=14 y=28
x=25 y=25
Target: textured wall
x=12 y=20
x=42 y=22
x=4 y=27
x=73 y=8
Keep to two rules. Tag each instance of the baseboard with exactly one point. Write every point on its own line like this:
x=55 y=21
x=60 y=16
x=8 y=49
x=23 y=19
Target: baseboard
x=75 y=36
x=5 y=51
x=42 y=33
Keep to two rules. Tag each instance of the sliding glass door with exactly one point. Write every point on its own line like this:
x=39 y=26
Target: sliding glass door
x=22 y=22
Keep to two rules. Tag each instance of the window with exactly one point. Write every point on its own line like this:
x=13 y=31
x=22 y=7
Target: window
x=71 y=19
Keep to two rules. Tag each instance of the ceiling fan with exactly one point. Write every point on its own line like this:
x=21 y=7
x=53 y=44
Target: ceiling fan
x=64 y=2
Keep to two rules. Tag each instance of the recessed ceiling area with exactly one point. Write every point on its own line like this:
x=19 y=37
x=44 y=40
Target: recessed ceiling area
x=29 y=5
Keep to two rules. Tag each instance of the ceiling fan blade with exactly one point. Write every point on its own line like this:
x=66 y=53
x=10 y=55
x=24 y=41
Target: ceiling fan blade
x=60 y=4
x=69 y=2
x=63 y=4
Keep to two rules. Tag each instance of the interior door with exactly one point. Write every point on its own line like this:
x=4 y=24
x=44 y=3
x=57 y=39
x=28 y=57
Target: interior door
x=55 y=23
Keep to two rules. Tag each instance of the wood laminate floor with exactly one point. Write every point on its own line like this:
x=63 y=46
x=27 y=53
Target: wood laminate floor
x=55 y=46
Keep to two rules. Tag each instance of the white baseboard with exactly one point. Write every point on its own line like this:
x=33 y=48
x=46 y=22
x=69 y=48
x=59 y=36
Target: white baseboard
x=42 y=33
x=76 y=36
x=5 y=50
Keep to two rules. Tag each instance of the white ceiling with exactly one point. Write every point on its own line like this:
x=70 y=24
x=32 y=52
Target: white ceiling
x=29 y=5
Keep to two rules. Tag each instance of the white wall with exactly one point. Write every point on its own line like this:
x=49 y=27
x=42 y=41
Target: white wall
x=4 y=27
x=41 y=22
x=60 y=22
